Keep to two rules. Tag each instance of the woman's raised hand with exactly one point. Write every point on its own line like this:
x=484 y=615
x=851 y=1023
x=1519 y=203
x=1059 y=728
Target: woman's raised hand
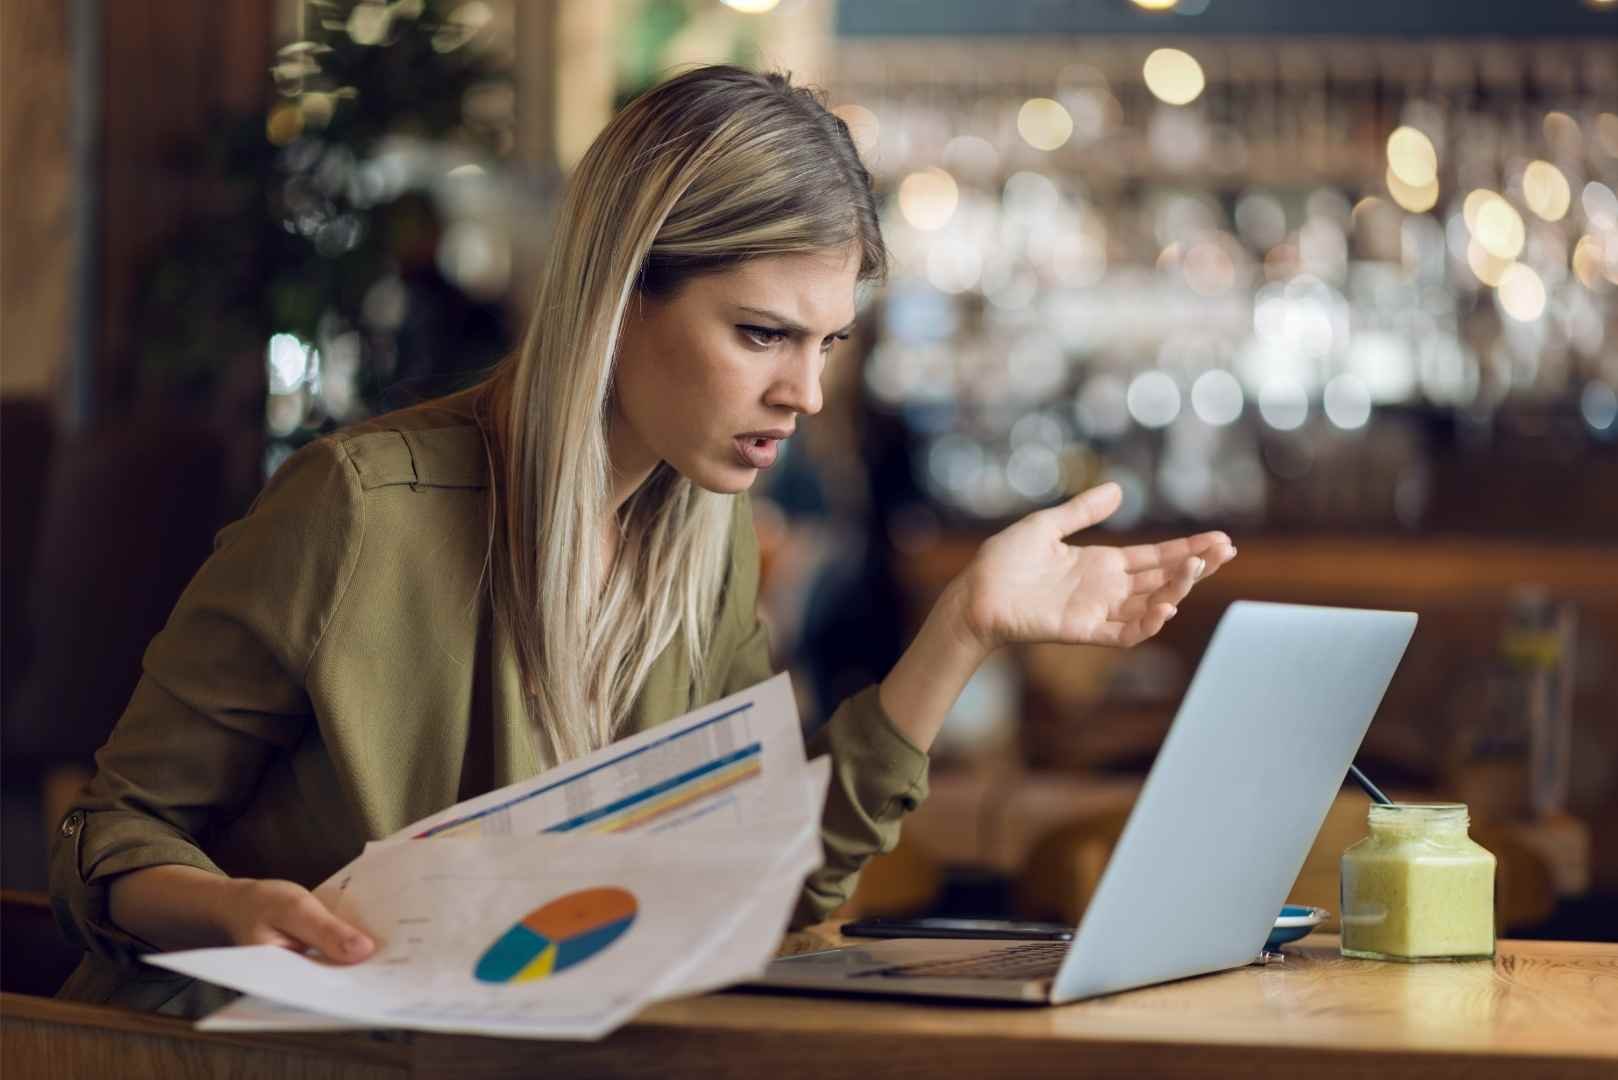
x=1028 y=584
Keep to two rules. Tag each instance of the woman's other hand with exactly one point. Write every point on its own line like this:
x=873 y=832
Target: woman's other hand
x=270 y=912
x=183 y=907
x=1029 y=584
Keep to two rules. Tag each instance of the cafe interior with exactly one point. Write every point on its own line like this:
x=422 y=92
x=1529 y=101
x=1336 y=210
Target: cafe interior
x=1339 y=279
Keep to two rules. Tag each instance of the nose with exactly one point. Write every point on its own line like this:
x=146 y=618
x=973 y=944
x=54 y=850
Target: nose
x=797 y=385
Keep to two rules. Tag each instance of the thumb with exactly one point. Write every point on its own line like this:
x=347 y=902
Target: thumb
x=1085 y=509
x=310 y=922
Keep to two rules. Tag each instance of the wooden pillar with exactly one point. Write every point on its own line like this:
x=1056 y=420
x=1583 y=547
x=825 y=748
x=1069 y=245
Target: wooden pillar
x=36 y=249
x=169 y=66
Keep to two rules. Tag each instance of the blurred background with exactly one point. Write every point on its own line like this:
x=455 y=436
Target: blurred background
x=1339 y=278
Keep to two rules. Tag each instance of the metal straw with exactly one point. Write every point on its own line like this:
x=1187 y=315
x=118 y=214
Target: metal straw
x=1365 y=782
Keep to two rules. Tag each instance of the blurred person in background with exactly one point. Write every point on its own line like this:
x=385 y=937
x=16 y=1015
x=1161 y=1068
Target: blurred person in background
x=445 y=337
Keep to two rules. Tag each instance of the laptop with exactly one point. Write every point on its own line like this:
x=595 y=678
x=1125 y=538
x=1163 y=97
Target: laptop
x=1255 y=756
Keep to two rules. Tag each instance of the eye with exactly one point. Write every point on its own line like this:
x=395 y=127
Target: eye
x=826 y=346
x=763 y=336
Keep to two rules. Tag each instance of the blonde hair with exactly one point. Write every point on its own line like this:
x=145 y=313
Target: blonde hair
x=701 y=173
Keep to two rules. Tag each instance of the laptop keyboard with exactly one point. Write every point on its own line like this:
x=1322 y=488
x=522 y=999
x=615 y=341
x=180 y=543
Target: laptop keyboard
x=1034 y=961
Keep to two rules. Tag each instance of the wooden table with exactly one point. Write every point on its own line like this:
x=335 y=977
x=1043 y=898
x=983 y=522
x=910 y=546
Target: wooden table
x=1541 y=1009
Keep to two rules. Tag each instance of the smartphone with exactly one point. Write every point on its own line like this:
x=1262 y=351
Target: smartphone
x=985 y=929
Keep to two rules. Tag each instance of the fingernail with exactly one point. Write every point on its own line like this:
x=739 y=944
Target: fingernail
x=354 y=944
x=1197 y=567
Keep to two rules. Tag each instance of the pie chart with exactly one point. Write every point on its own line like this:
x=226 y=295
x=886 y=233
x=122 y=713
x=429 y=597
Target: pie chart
x=558 y=935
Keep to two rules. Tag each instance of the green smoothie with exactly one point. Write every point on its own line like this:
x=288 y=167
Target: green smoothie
x=1418 y=887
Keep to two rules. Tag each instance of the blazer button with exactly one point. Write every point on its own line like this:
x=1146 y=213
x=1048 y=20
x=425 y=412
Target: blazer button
x=72 y=823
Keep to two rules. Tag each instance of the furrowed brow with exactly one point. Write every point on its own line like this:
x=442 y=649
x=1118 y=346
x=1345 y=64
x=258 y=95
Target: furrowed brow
x=788 y=324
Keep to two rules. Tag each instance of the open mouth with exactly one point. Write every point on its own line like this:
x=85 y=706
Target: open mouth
x=756 y=451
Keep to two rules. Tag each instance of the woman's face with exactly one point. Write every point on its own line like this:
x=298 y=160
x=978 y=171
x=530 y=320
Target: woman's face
x=712 y=379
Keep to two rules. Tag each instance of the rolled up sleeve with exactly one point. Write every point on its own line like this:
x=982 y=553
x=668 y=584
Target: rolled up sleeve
x=878 y=775
x=221 y=693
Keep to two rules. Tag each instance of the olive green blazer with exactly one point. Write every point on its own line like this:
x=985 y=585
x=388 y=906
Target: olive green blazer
x=333 y=673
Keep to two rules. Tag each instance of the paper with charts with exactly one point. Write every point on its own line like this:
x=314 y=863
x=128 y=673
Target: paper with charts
x=662 y=865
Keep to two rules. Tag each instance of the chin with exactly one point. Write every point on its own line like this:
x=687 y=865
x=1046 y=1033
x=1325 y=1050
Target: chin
x=739 y=481
x=721 y=479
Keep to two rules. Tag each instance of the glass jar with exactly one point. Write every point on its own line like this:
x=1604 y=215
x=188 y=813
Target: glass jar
x=1418 y=887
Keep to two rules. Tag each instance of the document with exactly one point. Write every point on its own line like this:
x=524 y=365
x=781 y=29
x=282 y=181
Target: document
x=662 y=865
x=704 y=764
x=523 y=936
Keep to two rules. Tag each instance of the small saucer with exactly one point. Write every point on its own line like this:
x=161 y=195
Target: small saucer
x=1293 y=923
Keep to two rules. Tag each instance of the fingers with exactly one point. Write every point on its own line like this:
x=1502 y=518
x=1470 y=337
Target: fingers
x=310 y=922
x=1137 y=606
x=1149 y=581
x=1216 y=556
x=1084 y=509
x=291 y=915
x=1169 y=552
x=1185 y=576
x=1156 y=594
x=1165 y=588
x=1193 y=567
x=1126 y=633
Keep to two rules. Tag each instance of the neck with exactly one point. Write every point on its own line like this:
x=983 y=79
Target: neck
x=630 y=463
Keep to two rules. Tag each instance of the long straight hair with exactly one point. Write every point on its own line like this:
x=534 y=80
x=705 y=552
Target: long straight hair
x=697 y=175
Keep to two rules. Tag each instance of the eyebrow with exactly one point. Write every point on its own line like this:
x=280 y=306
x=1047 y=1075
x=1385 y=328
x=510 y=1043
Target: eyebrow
x=788 y=324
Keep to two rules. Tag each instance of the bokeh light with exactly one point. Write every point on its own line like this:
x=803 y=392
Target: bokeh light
x=1044 y=124
x=1499 y=228
x=1598 y=403
x=1412 y=158
x=1283 y=404
x=1487 y=268
x=1034 y=472
x=1521 y=293
x=289 y=362
x=1475 y=200
x=1546 y=190
x=1153 y=399
x=1591 y=264
x=1381 y=362
x=928 y=198
x=1261 y=220
x=1600 y=205
x=1560 y=129
x=1417 y=200
x=284 y=123
x=1173 y=76
x=368 y=23
x=1208 y=268
x=1347 y=402
x=1102 y=408
x=1216 y=397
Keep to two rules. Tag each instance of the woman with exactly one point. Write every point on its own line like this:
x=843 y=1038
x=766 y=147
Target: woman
x=449 y=599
